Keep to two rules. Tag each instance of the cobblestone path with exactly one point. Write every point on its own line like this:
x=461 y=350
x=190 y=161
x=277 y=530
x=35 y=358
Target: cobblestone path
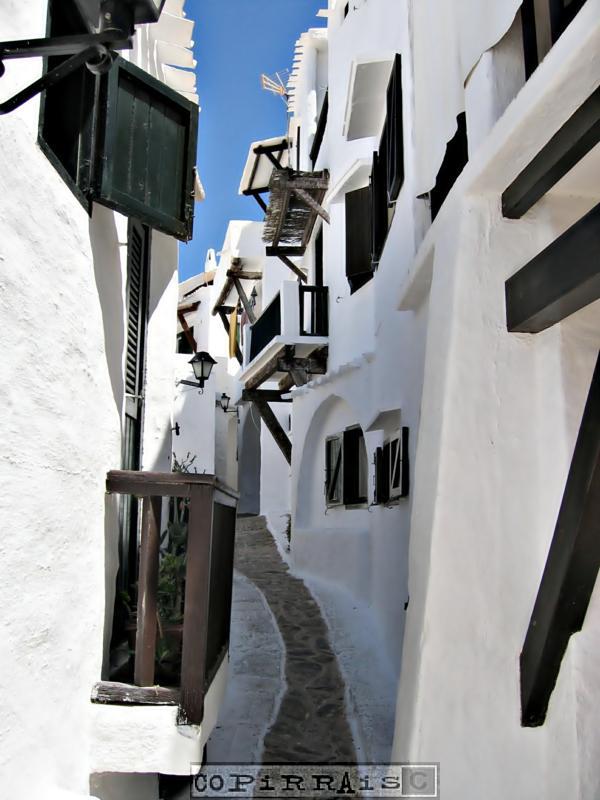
x=311 y=725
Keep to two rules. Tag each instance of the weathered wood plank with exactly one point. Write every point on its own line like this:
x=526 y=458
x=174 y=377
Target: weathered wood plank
x=559 y=281
x=264 y=373
x=571 y=569
x=163 y=484
x=225 y=320
x=290 y=264
x=145 y=639
x=111 y=693
x=312 y=203
x=270 y=395
x=187 y=331
x=197 y=596
x=579 y=134
x=244 y=275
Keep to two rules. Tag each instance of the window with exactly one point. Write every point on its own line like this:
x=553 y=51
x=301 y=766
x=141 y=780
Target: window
x=346 y=468
x=184 y=344
x=123 y=139
x=455 y=160
x=359 y=268
x=392 y=469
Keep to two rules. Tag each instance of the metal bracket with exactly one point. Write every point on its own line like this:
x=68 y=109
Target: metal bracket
x=95 y=50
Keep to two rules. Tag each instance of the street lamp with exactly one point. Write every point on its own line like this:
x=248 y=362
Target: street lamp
x=202 y=364
x=108 y=26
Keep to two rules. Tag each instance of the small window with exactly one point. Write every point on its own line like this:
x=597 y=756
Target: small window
x=392 y=469
x=359 y=268
x=455 y=160
x=184 y=345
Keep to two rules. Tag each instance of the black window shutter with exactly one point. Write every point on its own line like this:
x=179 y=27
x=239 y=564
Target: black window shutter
x=405 y=465
x=353 y=443
x=455 y=160
x=395 y=136
x=137 y=303
x=67 y=109
x=147 y=151
x=382 y=474
x=358 y=238
x=380 y=220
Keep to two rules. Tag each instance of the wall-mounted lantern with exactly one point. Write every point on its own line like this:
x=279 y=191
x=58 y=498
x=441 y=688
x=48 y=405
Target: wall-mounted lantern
x=202 y=364
x=223 y=403
x=107 y=26
x=253 y=296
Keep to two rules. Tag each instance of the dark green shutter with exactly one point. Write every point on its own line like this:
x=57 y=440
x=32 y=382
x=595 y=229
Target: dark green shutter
x=455 y=160
x=358 y=238
x=353 y=443
x=395 y=136
x=379 y=201
x=405 y=465
x=147 y=151
x=382 y=474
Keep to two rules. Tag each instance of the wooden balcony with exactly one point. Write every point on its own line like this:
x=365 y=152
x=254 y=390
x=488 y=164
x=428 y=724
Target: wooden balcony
x=207 y=558
x=295 y=323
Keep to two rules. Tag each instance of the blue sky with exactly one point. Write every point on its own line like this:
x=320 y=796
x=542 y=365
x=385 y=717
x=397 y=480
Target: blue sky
x=234 y=43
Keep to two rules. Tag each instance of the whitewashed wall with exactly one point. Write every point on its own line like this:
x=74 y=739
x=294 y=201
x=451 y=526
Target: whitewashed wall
x=62 y=288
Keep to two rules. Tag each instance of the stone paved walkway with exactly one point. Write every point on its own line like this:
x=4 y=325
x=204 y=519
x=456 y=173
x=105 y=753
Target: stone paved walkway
x=311 y=725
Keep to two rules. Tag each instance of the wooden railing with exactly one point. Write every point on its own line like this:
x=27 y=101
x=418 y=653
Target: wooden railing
x=208 y=586
x=266 y=327
x=314 y=310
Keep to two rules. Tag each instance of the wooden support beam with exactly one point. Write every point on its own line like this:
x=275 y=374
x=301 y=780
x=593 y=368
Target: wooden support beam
x=290 y=264
x=311 y=365
x=579 y=134
x=270 y=395
x=123 y=694
x=285 y=250
x=225 y=321
x=189 y=307
x=264 y=373
x=187 y=331
x=245 y=302
x=197 y=596
x=571 y=569
x=244 y=275
x=147 y=605
x=275 y=428
x=312 y=203
x=559 y=281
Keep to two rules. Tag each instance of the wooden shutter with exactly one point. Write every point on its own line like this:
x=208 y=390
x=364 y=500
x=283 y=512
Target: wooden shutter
x=455 y=159
x=334 y=470
x=382 y=474
x=67 y=109
x=404 y=464
x=137 y=304
x=147 y=151
x=379 y=202
x=395 y=136
x=353 y=453
x=358 y=238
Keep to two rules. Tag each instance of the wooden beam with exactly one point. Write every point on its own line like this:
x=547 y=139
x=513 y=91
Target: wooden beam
x=312 y=366
x=197 y=597
x=245 y=302
x=264 y=373
x=295 y=269
x=566 y=148
x=147 y=604
x=270 y=395
x=275 y=429
x=559 y=281
x=285 y=250
x=163 y=484
x=189 y=307
x=312 y=203
x=223 y=295
x=571 y=569
x=244 y=275
x=286 y=383
x=123 y=694
x=187 y=331
x=225 y=321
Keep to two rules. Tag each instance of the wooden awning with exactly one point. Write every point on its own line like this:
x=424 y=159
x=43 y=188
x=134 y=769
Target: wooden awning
x=294 y=205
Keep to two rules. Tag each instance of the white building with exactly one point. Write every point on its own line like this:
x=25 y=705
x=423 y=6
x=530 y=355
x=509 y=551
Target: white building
x=434 y=151
x=89 y=295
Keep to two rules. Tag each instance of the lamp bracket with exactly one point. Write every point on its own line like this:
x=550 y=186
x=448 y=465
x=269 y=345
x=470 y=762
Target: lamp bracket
x=96 y=50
